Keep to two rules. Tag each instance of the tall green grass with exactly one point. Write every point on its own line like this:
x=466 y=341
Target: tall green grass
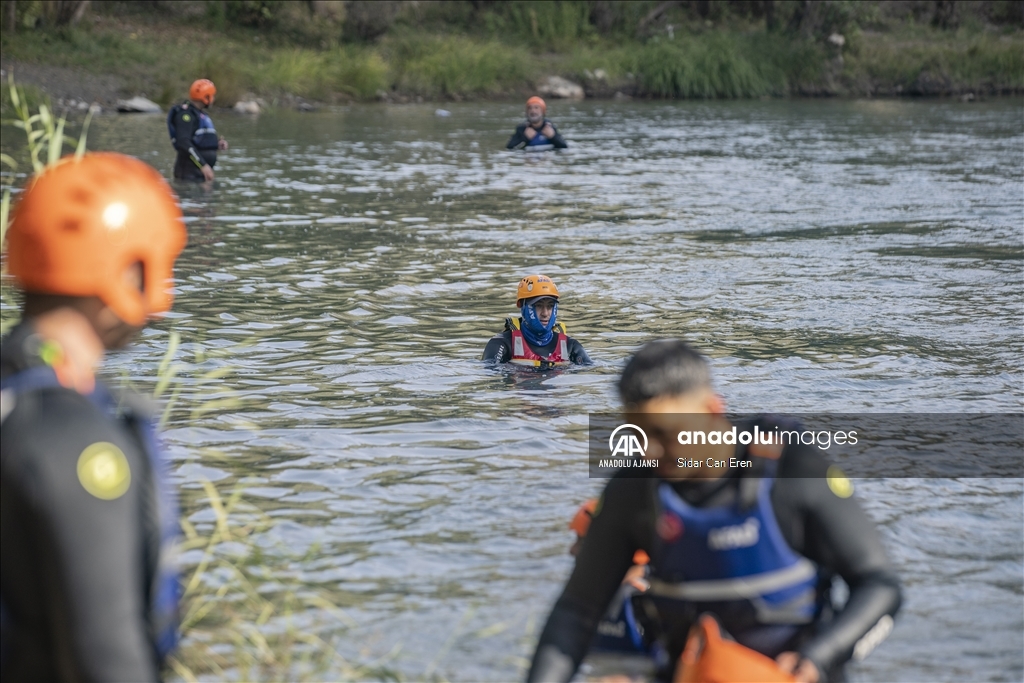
x=981 y=61
x=551 y=25
x=453 y=66
x=238 y=622
x=355 y=73
x=45 y=140
x=718 y=65
x=347 y=72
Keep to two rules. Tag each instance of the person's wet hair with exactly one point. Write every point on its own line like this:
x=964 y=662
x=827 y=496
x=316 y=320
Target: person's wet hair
x=668 y=367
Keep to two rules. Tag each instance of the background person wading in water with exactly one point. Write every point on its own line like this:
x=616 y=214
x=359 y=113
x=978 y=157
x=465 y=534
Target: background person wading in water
x=536 y=132
x=193 y=135
x=88 y=521
x=757 y=547
x=536 y=338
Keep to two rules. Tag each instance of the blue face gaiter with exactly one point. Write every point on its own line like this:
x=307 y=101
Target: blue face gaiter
x=536 y=333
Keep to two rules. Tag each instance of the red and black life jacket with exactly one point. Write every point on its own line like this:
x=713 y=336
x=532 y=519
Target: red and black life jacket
x=522 y=354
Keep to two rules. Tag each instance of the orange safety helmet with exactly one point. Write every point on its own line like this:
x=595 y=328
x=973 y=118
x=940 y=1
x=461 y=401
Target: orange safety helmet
x=203 y=91
x=581 y=520
x=535 y=285
x=537 y=100
x=82 y=222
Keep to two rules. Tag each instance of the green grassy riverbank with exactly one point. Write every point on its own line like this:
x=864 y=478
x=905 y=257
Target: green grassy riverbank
x=461 y=50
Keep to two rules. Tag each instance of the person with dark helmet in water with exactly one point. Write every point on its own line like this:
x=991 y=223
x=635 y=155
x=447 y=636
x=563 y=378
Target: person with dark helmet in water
x=536 y=132
x=536 y=339
x=88 y=521
x=192 y=134
x=750 y=546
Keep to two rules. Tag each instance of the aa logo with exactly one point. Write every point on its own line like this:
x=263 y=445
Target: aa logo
x=627 y=445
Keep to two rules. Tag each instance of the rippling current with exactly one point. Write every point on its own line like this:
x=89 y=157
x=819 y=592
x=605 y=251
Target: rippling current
x=348 y=267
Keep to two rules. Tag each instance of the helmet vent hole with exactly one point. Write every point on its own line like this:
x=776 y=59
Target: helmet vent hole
x=72 y=225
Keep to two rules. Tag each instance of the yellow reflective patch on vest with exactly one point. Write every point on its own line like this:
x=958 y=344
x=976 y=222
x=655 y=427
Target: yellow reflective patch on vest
x=838 y=482
x=103 y=471
x=186 y=117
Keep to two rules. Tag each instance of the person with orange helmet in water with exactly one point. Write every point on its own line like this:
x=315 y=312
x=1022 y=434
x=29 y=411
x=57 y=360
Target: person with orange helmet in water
x=88 y=589
x=535 y=339
x=193 y=135
x=536 y=133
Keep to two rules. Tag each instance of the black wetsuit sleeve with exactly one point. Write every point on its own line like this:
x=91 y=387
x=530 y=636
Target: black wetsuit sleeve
x=184 y=133
x=576 y=353
x=558 y=141
x=518 y=138
x=605 y=557
x=498 y=349
x=836 y=533
x=73 y=564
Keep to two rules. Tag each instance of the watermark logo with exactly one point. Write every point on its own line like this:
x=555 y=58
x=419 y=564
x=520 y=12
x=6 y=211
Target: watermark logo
x=627 y=445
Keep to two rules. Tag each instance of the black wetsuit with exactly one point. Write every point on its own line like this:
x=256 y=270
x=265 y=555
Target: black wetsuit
x=831 y=531
x=194 y=139
x=76 y=571
x=499 y=348
x=518 y=138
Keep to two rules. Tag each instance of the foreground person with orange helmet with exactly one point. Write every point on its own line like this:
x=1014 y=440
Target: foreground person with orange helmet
x=536 y=133
x=193 y=135
x=87 y=519
x=750 y=549
x=536 y=339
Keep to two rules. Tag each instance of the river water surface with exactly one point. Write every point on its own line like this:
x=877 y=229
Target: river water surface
x=348 y=267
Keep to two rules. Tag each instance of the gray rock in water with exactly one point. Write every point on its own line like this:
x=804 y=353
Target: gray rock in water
x=247 y=107
x=556 y=86
x=138 y=105
x=443 y=113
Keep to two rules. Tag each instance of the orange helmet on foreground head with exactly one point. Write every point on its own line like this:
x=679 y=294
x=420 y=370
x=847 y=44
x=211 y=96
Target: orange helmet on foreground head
x=535 y=285
x=82 y=223
x=203 y=91
x=537 y=100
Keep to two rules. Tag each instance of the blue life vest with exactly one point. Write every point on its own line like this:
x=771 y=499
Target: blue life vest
x=165 y=591
x=733 y=562
x=538 y=139
x=205 y=137
x=540 y=142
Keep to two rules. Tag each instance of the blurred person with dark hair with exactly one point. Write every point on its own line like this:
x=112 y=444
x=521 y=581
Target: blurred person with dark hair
x=754 y=548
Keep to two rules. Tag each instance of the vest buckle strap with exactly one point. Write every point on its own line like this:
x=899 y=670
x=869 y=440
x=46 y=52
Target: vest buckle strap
x=739 y=588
